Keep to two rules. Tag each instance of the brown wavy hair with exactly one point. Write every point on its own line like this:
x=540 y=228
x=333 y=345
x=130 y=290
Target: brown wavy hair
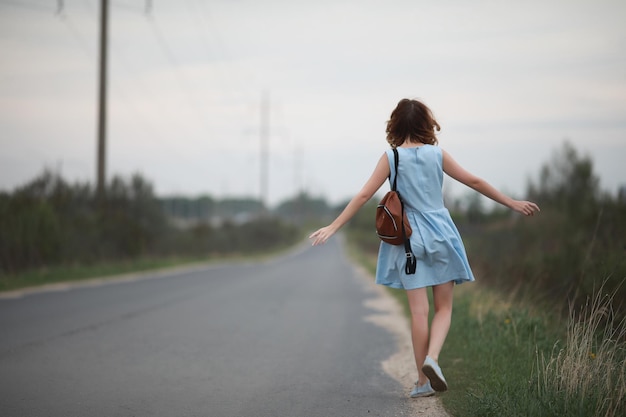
x=411 y=120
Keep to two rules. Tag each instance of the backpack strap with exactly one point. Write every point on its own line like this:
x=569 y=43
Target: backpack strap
x=411 y=260
x=396 y=160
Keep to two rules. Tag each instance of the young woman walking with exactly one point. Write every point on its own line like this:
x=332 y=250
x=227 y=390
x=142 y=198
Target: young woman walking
x=436 y=243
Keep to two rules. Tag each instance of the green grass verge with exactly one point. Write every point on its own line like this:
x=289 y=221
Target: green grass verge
x=490 y=356
x=69 y=273
x=511 y=359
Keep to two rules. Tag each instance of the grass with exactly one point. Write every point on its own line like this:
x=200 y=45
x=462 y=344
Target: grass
x=503 y=358
x=78 y=272
x=66 y=273
x=489 y=355
x=589 y=370
x=510 y=359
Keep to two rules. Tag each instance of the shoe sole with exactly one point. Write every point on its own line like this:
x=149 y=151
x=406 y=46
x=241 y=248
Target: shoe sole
x=436 y=382
x=422 y=395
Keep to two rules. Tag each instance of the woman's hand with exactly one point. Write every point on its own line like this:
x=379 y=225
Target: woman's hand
x=322 y=235
x=527 y=208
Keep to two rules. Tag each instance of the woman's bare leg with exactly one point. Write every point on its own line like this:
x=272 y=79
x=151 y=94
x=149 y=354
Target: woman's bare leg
x=442 y=296
x=418 y=303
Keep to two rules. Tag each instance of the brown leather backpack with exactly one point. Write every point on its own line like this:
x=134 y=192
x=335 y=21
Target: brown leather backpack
x=392 y=225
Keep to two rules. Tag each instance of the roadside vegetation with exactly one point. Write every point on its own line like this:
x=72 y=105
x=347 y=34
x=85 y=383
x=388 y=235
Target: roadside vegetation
x=51 y=230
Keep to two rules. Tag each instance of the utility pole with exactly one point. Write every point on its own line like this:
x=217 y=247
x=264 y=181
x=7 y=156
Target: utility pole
x=102 y=100
x=264 y=157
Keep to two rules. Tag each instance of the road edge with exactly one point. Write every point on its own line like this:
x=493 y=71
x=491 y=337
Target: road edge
x=389 y=314
x=144 y=274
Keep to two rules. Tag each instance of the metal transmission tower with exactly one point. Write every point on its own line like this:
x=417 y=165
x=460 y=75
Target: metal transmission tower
x=264 y=135
x=102 y=99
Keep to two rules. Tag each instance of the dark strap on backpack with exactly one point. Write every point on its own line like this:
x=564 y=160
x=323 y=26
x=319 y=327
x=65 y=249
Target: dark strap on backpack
x=411 y=261
x=396 y=159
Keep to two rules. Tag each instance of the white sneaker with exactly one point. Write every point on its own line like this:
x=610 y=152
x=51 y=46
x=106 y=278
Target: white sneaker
x=432 y=370
x=424 y=391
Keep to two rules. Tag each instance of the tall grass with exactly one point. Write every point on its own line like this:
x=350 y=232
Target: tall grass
x=503 y=358
x=587 y=376
x=508 y=358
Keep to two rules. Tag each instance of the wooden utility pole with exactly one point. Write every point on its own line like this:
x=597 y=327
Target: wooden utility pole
x=102 y=99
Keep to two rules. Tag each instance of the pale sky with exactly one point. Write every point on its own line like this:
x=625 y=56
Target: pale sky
x=508 y=81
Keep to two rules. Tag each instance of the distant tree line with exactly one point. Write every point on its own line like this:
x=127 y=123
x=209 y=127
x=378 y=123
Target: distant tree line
x=300 y=210
x=49 y=221
x=576 y=244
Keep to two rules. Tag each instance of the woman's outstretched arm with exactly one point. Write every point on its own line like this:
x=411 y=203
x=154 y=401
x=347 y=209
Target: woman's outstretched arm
x=453 y=169
x=378 y=177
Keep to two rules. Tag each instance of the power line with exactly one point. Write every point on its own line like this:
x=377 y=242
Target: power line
x=204 y=23
x=27 y=5
x=119 y=58
x=147 y=92
x=82 y=42
x=171 y=57
x=184 y=83
x=150 y=129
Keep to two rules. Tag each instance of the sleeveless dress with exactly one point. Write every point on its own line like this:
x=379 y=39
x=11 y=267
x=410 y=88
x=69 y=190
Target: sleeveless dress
x=435 y=241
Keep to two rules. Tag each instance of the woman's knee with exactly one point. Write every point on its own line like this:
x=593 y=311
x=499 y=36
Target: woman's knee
x=442 y=297
x=420 y=313
x=418 y=303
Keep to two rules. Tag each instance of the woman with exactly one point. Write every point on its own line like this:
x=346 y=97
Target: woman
x=441 y=258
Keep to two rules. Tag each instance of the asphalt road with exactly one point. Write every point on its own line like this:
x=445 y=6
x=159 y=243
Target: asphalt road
x=285 y=337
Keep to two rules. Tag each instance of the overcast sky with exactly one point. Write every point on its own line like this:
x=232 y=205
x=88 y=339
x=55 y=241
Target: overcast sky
x=508 y=81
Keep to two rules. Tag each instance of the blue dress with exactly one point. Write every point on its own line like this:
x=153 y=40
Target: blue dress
x=435 y=241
